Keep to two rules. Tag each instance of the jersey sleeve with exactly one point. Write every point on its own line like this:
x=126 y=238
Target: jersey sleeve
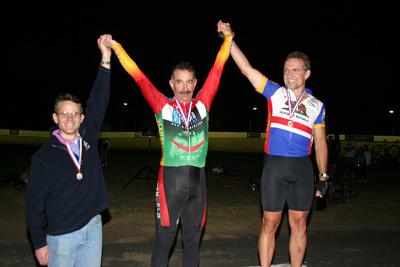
x=320 y=121
x=210 y=87
x=152 y=96
x=268 y=88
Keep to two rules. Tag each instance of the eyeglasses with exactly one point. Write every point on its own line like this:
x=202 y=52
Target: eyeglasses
x=295 y=71
x=65 y=114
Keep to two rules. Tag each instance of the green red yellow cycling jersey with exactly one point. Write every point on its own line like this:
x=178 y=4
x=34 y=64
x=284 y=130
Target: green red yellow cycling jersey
x=183 y=127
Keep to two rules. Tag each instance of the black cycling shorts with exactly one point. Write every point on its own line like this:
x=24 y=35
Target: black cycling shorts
x=287 y=180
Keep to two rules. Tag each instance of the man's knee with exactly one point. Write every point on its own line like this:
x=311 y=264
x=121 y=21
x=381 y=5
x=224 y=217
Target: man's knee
x=298 y=223
x=271 y=223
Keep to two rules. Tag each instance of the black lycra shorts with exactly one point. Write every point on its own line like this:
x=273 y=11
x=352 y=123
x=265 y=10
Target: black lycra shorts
x=287 y=180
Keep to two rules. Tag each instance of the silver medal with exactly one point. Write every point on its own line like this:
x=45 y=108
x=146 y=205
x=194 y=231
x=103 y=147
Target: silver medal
x=186 y=133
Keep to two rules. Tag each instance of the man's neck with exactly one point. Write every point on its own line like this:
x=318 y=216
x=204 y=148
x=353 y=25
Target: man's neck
x=298 y=91
x=69 y=137
x=182 y=102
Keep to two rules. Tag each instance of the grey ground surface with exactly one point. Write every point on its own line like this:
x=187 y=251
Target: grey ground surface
x=361 y=230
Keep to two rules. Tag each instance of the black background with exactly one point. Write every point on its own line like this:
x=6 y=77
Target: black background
x=51 y=47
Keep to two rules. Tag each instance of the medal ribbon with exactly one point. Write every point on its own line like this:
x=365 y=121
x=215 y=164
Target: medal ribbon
x=292 y=110
x=77 y=162
x=186 y=120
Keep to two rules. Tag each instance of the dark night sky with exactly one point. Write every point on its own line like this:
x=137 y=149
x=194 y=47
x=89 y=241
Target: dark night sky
x=52 y=48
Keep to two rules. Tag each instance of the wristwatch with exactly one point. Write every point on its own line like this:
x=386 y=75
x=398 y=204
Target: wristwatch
x=324 y=174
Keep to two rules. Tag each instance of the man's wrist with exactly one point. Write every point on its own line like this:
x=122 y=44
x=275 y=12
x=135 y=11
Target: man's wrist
x=323 y=176
x=322 y=186
x=105 y=62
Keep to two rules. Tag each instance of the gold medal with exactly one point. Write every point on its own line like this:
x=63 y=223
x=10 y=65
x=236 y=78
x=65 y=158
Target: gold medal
x=79 y=176
x=292 y=110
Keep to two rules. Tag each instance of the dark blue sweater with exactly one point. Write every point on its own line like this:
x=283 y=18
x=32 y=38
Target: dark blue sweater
x=58 y=203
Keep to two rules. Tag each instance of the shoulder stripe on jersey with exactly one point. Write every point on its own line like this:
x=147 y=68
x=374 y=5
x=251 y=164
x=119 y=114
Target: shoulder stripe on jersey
x=202 y=109
x=261 y=88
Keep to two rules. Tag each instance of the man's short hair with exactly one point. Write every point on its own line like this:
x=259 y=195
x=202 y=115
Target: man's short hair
x=67 y=97
x=183 y=65
x=302 y=56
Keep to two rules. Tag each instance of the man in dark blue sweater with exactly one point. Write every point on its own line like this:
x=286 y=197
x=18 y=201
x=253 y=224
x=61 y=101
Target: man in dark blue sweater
x=66 y=190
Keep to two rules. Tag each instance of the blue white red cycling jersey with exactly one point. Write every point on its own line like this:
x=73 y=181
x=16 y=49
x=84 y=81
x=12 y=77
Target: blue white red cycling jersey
x=290 y=136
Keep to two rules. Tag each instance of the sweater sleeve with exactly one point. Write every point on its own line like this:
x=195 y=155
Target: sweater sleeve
x=37 y=189
x=96 y=105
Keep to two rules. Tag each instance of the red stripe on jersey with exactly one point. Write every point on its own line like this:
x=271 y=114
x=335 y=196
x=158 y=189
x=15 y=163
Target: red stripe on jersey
x=295 y=124
x=187 y=148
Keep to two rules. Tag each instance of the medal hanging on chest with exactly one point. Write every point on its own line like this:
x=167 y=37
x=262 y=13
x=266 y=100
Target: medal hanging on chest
x=79 y=176
x=186 y=119
x=292 y=110
x=77 y=162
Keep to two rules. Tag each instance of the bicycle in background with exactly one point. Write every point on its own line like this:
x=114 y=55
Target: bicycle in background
x=385 y=154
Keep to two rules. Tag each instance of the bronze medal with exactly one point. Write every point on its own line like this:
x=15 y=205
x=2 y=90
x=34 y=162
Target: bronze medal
x=79 y=176
x=290 y=123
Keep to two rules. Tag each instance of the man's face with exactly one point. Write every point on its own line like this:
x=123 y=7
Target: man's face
x=183 y=84
x=295 y=74
x=68 y=118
